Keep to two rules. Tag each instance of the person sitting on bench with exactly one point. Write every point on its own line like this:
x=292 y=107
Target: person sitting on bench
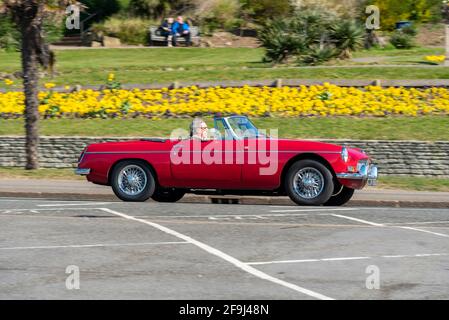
x=181 y=29
x=166 y=30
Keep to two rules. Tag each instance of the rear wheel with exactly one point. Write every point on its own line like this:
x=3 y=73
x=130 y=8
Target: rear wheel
x=132 y=180
x=168 y=195
x=309 y=183
x=342 y=197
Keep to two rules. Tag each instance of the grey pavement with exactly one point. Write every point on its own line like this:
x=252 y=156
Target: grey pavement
x=83 y=190
x=214 y=251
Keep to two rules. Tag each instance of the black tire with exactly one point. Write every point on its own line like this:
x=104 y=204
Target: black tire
x=168 y=195
x=341 y=197
x=149 y=185
x=325 y=176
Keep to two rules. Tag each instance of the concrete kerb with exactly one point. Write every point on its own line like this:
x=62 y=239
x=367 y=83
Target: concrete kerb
x=249 y=200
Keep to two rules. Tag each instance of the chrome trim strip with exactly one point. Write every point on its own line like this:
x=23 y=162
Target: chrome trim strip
x=151 y=152
x=82 y=172
x=371 y=175
x=352 y=176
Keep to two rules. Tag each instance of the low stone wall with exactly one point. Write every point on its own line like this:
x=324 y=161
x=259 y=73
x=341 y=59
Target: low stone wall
x=416 y=158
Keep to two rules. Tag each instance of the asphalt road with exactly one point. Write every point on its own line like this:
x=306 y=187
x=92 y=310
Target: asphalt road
x=205 y=251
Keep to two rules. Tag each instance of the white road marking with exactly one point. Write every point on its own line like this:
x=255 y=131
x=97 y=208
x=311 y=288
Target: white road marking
x=349 y=258
x=306 y=260
x=423 y=230
x=73 y=204
x=239 y=264
x=238 y=216
x=313 y=210
x=95 y=245
x=399 y=227
x=358 y=220
x=424 y=222
x=44 y=209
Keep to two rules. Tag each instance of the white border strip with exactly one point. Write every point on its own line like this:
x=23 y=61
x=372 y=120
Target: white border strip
x=95 y=245
x=383 y=225
x=349 y=258
x=239 y=264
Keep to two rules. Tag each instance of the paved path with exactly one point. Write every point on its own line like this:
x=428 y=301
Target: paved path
x=83 y=190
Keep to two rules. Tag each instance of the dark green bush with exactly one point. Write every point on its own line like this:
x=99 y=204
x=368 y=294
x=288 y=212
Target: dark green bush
x=400 y=40
x=128 y=30
x=317 y=55
x=9 y=36
x=53 y=27
x=314 y=36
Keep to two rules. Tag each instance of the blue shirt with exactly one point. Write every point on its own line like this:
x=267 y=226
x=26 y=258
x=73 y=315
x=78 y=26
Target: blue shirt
x=180 y=28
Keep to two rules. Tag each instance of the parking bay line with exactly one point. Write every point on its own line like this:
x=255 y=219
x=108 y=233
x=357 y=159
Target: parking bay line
x=96 y=245
x=383 y=225
x=348 y=258
x=73 y=204
x=239 y=264
x=313 y=210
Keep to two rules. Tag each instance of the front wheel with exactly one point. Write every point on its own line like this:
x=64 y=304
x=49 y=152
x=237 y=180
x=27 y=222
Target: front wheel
x=341 y=198
x=168 y=195
x=132 y=181
x=309 y=183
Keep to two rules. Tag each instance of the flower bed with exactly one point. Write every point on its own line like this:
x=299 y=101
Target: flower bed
x=325 y=100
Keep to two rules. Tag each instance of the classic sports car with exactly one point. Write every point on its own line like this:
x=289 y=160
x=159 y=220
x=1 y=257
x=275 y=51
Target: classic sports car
x=239 y=159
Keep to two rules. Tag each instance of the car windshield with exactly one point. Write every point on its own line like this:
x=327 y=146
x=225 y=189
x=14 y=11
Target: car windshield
x=243 y=127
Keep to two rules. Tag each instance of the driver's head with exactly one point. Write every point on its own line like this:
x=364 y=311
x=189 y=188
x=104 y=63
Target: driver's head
x=198 y=129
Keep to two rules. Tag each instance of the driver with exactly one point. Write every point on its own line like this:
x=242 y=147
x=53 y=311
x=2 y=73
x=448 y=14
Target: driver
x=199 y=129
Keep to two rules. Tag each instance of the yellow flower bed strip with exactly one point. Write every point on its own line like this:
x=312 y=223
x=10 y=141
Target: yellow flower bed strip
x=316 y=100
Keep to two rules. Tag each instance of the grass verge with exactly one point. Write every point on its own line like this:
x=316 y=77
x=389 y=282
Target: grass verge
x=425 y=128
x=166 y=65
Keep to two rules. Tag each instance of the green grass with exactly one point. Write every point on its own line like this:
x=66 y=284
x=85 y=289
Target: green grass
x=426 y=128
x=388 y=51
x=57 y=174
x=165 y=65
x=414 y=183
x=385 y=182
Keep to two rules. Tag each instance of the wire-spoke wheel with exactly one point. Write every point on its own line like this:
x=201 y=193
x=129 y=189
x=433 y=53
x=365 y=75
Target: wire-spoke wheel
x=309 y=182
x=132 y=181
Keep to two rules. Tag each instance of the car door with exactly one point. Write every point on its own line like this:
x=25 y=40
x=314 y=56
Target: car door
x=205 y=164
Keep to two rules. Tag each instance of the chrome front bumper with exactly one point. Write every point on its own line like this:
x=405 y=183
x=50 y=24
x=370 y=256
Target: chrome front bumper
x=366 y=173
x=82 y=172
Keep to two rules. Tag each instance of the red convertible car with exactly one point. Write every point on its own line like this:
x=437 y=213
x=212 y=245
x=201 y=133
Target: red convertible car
x=238 y=159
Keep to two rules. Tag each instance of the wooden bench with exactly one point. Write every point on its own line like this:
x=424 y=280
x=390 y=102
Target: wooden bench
x=156 y=36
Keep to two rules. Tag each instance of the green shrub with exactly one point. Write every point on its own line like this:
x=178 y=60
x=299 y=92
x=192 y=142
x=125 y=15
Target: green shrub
x=317 y=55
x=54 y=28
x=9 y=36
x=410 y=30
x=264 y=10
x=102 y=8
x=279 y=42
x=347 y=37
x=219 y=14
x=314 y=36
x=400 y=40
x=128 y=30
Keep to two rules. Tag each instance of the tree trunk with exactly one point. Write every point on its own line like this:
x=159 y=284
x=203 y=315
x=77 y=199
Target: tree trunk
x=30 y=27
